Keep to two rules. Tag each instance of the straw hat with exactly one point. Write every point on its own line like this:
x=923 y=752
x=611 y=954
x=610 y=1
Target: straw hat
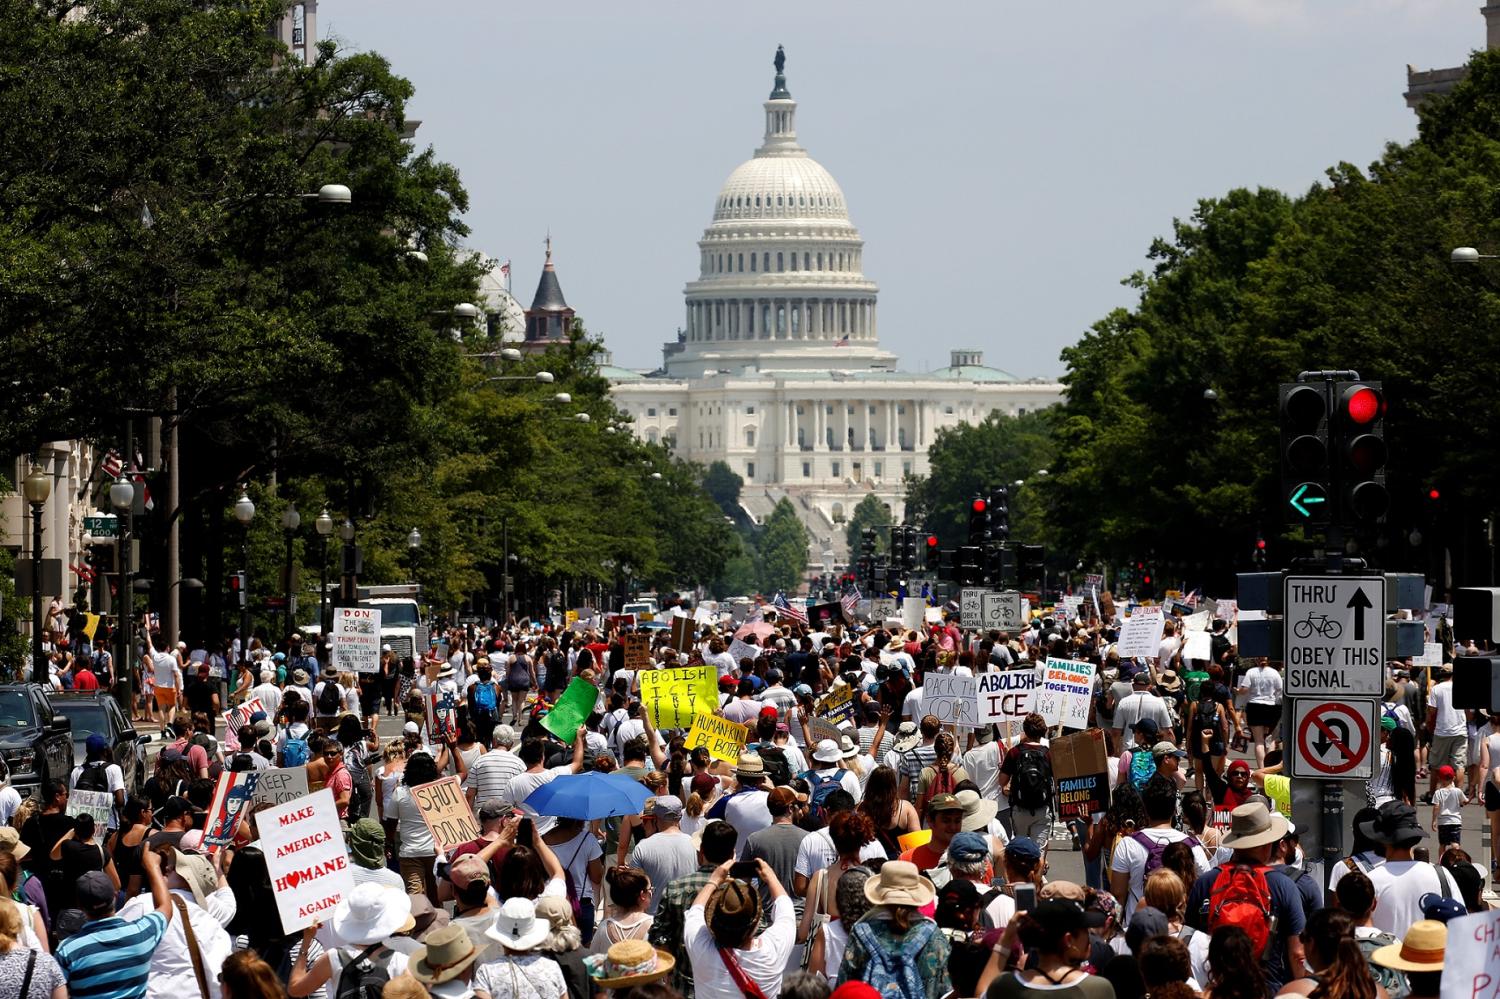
x=1420 y=950
x=447 y=953
x=899 y=883
x=750 y=765
x=627 y=963
x=1253 y=825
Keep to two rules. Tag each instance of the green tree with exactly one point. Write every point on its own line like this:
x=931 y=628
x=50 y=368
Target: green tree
x=723 y=487
x=781 y=553
x=873 y=512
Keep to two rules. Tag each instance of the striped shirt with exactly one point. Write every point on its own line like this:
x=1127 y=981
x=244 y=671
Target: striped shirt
x=491 y=774
x=110 y=958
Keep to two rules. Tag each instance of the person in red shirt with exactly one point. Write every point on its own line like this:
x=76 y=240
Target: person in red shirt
x=945 y=813
x=339 y=780
x=84 y=678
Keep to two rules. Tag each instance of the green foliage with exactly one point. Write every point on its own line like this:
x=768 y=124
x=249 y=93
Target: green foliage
x=723 y=487
x=869 y=512
x=782 y=550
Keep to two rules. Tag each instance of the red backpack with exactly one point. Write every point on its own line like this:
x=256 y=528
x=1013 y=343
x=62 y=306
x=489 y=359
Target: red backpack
x=941 y=783
x=1240 y=897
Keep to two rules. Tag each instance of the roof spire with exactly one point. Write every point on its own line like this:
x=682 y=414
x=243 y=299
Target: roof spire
x=779 y=91
x=548 y=264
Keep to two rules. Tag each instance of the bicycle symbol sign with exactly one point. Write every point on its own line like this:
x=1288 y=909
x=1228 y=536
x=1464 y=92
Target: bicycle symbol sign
x=1334 y=631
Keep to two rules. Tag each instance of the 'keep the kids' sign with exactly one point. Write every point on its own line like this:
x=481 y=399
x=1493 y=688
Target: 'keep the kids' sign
x=674 y=696
x=306 y=858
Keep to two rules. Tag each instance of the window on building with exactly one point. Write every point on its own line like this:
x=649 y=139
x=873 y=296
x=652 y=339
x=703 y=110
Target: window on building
x=794 y=261
x=650 y=410
x=749 y=436
x=765 y=261
x=900 y=410
x=835 y=468
x=806 y=262
x=820 y=261
x=799 y=410
x=651 y=435
x=780 y=265
x=879 y=469
x=906 y=468
x=948 y=410
x=749 y=469
x=828 y=410
x=749 y=410
x=872 y=410
x=752 y=263
x=901 y=436
x=672 y=411
x=807 y=469
x=848 y=410
x=1021 y=411
x=741 y=261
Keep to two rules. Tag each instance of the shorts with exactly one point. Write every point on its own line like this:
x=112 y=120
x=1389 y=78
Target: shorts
x=1450 y=749
x=370 y=705
x=1491 y=797
x=1263 y=715
x=166 y=697
x=1449 y=834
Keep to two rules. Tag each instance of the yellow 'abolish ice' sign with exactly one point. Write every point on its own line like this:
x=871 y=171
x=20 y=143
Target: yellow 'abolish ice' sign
x=723 y=738
x=674 y=696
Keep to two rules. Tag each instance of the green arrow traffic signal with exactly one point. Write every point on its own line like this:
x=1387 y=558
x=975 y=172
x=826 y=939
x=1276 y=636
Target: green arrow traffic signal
x=1307 y=494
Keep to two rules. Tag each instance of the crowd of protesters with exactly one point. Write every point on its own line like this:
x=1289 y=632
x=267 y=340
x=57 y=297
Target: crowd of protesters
x=880 y=853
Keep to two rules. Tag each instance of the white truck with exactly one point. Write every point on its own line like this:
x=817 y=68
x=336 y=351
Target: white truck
x=401 y=624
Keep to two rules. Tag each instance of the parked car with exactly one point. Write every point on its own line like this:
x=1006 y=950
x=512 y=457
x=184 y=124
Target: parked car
x=35 y=740
x=94 y=711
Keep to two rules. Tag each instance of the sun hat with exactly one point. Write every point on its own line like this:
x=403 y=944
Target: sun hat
x=1170 y=681
x=1422 y=949
x=907 y=737
x=750 y=765
x=849 y=746
x=899 y=883
x=1253 y=825
x=367 y=844
x=299 y=675
x=445 y=955
x=827 y=751
x=1395 y=824
x=516 y=925
x=978 y=812
x=1435 y=906
x=10 y=842
x=447 y=670
x=370 y=913
x=628 y=963
x=732 y=909
x=426 y=918
x=198 y=871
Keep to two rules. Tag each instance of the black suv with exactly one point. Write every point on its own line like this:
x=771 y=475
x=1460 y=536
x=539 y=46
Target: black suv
x=96 y=712
x=36 y=741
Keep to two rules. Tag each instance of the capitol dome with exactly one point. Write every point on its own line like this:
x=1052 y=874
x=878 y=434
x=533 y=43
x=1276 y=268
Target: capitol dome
x=503 y=313
x=780 y=187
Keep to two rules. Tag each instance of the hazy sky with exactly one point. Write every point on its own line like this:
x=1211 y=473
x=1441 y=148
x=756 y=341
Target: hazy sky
x=1006 y=163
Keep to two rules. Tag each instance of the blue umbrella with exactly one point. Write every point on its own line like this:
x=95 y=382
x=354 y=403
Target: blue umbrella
x=589 y=795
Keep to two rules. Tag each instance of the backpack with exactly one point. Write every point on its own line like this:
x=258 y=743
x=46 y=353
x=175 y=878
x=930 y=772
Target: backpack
x=295 y=753
x=776 y=764
x=363 y=978
x=484 y=697
x=893 y=973
x=1031 y=788
x=1193 y=683
x=1394 y=981
x=1142 y=768
x=94 y=777
x=330 y=698
x=941 y=783
x=1106 y=702
x=821 y=785
x=1155 y=848
x=1240 y=897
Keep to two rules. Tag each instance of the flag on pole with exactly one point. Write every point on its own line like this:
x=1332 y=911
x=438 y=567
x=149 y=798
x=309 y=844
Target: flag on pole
x=842 y=341
x=111 y=464
x=850 y=601
x=786 y=610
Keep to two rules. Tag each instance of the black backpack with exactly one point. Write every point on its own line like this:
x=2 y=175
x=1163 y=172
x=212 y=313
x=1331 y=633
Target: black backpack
x=94 y=777
x=1031 y=787
x=330 y=698
x=363 y=978
x=778 y=767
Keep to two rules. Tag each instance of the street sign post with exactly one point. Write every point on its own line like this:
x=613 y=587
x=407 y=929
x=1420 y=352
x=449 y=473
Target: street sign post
x=1335 y=636
x=1001 y=611
x=1335 y=740
x=971 y=606
x=106 y=526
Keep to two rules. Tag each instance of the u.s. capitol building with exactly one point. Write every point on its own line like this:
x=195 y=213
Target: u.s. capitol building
x=778 y=370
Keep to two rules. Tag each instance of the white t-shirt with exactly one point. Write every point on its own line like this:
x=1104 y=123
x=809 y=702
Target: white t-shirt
x=763 y=962
x=1264 y=685
x=10 y=800
x=1130 y=858
x=983 y=766
x=116 y=778
x=1399 y=887
x=575 y=855
x=1449 y=722
x=748 y=813
x=164 y=670
x=1365 y=862
x=816 y=852
x=1449 y=801
x=412 y=830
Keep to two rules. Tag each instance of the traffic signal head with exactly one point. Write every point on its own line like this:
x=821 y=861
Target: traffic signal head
x=933 y=556
x=1305 y=466
x=979 y=521
x=1028 y=567
x=999 y=510
x=1360 y=428
x=1433 y=494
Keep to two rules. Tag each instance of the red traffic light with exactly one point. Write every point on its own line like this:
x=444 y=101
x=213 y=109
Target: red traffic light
x=1146 y=580
x=932 y=541
x=1433 y=494
x=1362 y=404
x=1260 y=543
x=980 y=506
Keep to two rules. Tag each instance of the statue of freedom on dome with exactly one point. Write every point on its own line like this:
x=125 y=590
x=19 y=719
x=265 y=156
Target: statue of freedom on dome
x=780 y=61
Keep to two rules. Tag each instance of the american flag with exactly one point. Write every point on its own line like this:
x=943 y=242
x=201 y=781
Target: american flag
x=1192 y=598
x=111 y=464
x=850 y=601
x=842 y=341
x=786 y=610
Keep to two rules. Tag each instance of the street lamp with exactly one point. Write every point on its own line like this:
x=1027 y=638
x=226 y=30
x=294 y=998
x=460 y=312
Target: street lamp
x=37 y=486
x=349 y=580
x=541 y=377
x=1469 y=255
x=413 y=543
x=324 y=527
x=290 y=521
x=244 y=512
x=122 y=498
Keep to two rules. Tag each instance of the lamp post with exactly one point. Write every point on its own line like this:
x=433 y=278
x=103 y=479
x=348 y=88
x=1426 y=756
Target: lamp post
x=37 y=486
x=349 y=581
x=244 y=512
x=413 y=544
x=290 y=521
x=324 y=526
x=122 y=497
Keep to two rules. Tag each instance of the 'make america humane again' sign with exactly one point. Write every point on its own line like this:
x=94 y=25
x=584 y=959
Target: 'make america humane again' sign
x=306 y=857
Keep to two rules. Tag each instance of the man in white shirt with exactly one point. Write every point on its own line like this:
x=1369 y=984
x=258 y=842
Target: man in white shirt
x=490 y=776
x=746 y=810
x=1142 y=703
x=1448 y=728
x=826 y=756
x=816 y=852
x=534 y=755
x=104 y=775
x=268 y=692
x=201 y=894
x=1401 y=882
x=762 y=958
x=1127 y=872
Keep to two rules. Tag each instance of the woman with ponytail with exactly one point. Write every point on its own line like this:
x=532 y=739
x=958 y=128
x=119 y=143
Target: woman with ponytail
x=1337 y=965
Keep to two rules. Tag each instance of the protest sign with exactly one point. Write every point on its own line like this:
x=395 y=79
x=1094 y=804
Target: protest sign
x=99 y=804
x=1063 y=691
x=1140 y=635
x=1005 y=696
x=912 y=610
x=821 y=616
x=683 y=628
x=442 y=714
x=618 y=622
x=356 y=639
x=1432 y=655
x=722 y=738
x=742 y=650
x=571 y=709
x=234 y=791
x=951 y=698
x=1225 y=610
x=306 y=858
x=1198 y=645
x=236 y=717
x=446 y=812
x=822 y=728
x=1471 y=961
x=912 y=840
x=674 y=696
x=1080 y=766
x=1197 y=622
x=277 y=785
x=838 y=705
x=637 y=651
